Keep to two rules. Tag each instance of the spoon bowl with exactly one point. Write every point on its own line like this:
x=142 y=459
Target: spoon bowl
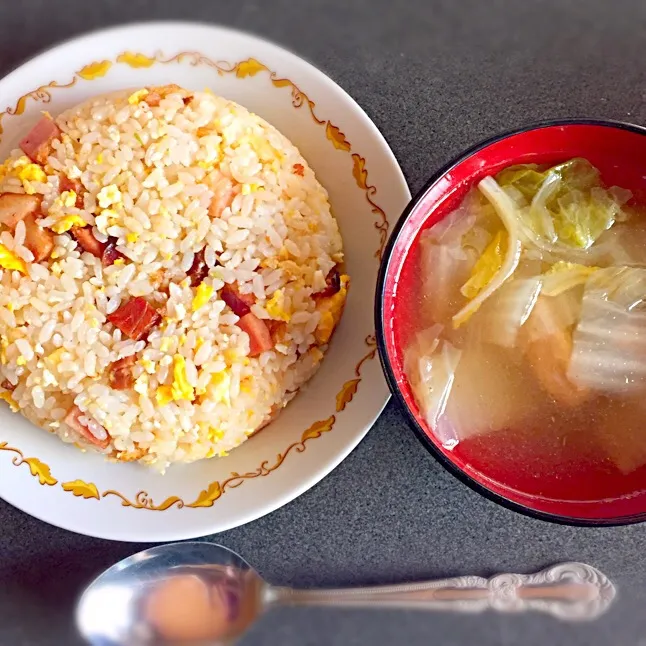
x=202 y=593
x=191 y=592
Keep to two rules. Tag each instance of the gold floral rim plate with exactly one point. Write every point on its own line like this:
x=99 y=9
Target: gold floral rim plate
x=63 y=486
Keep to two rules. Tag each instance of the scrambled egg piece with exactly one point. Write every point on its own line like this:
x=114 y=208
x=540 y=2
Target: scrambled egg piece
x=108 y=196
x=164 y=395
x=331 y=309
x=110 y=214
x=231 y=355
x=68 y=198
x=67 y=222
x=246 y=385
x=54 y=358
x=9 y=260
x=31 y=173
x=180 y=387
x=247 y=189
x=276 y=307
x=4 y=344
x=21 y=361
x=148 y=366
x=216 y=434
x=6 y=396
x=218 y=388
x=132 y=237
x=137 y=96
x=202 y=295
x=166 y=343
x=141 y=384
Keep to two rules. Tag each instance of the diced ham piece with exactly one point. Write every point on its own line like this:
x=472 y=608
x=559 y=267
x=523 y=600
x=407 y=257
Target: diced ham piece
x=332 y=284
x=239 y=303
x=99 y=437
x=277 y=330
x=199 y=269
x=259 y=337
x=121 y=377
x=110 y=253
x=15 y=207
x=67 y=184
x=7 y=385
x=224 y=193
x=86 y=240
x=135 y=318
x=38 y=240
x=37 y=145
x=156 y=94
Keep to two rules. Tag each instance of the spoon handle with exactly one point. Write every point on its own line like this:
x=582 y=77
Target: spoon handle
x=571 y=591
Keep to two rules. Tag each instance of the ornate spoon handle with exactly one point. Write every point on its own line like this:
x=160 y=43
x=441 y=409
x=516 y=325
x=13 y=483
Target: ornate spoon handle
x=572 y=591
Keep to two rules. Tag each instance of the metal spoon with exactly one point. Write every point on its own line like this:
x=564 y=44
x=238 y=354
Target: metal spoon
x=202 y=593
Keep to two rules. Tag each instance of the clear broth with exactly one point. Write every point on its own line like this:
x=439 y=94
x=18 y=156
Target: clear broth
x=592 y=451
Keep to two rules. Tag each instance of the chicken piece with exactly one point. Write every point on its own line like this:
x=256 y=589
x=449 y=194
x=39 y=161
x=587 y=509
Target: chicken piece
x=548 y=348
x=37 y=145
x=86 y=240
x=223 y=194
x=38 y=240
x=15 y=207
x=120 y=376
x=259 y=337
x=99 y=436
x=331 y=309
x=135 y=318
x=157 y=93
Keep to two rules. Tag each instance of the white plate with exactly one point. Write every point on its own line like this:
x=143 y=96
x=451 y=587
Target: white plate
x=81 y=492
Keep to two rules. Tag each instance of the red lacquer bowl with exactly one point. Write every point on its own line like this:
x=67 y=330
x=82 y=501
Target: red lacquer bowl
x=619 y=151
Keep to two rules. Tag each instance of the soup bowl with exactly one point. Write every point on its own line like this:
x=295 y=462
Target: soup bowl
x=618 y=150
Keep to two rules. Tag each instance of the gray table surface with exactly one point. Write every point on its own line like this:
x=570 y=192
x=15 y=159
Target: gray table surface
x=436 y=77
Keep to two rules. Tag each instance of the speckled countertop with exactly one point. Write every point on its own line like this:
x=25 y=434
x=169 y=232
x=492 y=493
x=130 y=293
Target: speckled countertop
x=436 y=76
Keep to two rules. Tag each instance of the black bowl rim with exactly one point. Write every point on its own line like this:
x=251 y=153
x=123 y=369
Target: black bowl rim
x=448 y=464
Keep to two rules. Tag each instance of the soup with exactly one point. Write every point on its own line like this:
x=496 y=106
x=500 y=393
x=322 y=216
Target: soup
x=527 y=351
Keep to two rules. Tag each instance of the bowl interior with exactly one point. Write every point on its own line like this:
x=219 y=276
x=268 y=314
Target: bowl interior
x=619 y=151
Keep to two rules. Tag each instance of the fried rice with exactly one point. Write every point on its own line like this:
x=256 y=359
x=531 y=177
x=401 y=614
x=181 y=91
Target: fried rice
x=171 y=275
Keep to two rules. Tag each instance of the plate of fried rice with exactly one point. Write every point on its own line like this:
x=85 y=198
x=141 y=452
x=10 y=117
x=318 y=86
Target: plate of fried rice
x=191 y=222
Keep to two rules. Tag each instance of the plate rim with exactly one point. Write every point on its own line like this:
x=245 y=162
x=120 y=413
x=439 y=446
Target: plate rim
x=302 y=484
